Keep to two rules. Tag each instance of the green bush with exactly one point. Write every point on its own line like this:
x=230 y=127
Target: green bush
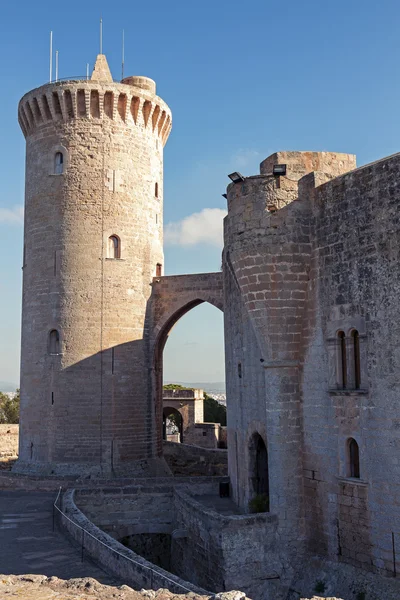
x=320 y=587
x=9 y=408
x=259 y=504
x=214 y=412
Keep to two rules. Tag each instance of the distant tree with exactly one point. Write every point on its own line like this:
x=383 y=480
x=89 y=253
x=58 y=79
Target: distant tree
x=214 y=412
x=175 y=386
x=9 y=408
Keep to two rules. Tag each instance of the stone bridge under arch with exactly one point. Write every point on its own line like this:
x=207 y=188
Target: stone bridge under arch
x=172 y=297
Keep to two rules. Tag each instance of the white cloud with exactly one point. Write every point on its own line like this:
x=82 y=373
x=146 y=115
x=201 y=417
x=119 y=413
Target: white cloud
x=204 y=227
x=13 y=216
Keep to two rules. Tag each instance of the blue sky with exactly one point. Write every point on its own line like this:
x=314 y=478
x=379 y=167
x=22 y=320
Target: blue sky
x=243 y=79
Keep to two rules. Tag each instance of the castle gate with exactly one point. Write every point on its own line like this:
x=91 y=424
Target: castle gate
x=172 y=297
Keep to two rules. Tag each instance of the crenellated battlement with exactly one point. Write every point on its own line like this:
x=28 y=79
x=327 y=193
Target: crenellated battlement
x=252 y=201
x=132 y=102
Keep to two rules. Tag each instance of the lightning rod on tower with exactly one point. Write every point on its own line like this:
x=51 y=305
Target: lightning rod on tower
x=123 y=52
x=51 y=56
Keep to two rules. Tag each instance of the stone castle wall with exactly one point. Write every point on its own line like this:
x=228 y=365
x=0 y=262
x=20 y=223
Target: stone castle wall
x=266 y=264
x=353 y=285
x=298 y=269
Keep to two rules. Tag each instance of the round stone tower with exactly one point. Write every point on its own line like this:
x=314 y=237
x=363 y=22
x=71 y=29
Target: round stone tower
x=92 y=244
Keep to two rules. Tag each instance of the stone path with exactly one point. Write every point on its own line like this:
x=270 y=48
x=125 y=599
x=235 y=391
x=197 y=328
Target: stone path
x=28 y=544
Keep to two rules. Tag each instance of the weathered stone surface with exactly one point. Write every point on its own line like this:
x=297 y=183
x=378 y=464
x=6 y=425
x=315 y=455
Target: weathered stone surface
x=310 y=289
x=306 y=256
x=184 y=459
x=39 y=587
x=172 y=297
x=86 y=405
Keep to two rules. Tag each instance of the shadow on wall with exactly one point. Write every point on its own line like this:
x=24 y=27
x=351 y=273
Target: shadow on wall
x=98 y=411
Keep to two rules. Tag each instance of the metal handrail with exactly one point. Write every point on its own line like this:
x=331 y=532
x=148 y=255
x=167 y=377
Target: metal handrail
x=85 y=531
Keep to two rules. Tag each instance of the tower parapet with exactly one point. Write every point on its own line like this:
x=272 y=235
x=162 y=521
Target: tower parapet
x=251 y=202
x=132 y=102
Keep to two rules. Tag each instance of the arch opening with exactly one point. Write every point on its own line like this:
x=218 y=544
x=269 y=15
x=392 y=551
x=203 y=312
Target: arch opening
x=59 y=163
x=172 y=423
x=114 y=247
x=353 y=469
x=189 y=352
x=259 y=474
x=54 y=342
x=342 y=360
x=356 y=359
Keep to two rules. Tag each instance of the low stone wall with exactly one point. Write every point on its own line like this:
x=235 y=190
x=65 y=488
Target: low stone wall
x=54 y=483
x=218 y=550
x=116 y=558
x=187 y=460
x=143 y=509
x=138 y=509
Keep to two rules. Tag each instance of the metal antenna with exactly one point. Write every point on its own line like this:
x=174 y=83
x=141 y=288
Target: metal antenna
x=51 y=56
x=123 y=52
x=101 y=35
x=56 y=65
x=87 y=70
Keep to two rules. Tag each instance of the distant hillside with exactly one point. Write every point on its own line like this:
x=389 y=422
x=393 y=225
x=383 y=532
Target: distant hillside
x=217 y=387
x=6 y=386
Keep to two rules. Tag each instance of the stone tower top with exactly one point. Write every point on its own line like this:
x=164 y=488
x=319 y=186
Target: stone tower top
x=132 y=102
x=101 y=71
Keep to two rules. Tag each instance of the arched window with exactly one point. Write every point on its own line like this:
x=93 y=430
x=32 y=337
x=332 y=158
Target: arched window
x=259 y=474
x=354 y=459
x=54 y=342
x=114 y=247
x=342 y=363
x=356 y=358
x=156 y=190
x=59 y=163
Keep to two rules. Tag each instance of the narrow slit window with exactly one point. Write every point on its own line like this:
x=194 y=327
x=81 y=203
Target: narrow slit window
x=156 y=190
x=240 y=370
x=354 y=459
x=114 y=247
x=54 y=342
x=342 y=360
x=356 y=359
x=59 y=163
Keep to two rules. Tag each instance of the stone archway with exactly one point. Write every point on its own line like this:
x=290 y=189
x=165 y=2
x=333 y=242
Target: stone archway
x=172 y=298
x=167 y=412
